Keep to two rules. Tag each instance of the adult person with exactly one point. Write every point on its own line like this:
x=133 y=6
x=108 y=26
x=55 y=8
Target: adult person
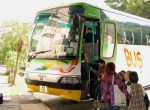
x=88 y=38
x=101 y=64
x=106 y=82
x=85 y=77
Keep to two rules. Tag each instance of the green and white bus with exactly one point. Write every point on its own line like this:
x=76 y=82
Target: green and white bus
x=56 y=44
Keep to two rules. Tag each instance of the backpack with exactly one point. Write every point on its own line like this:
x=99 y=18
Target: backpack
x=94 y=90
x=1 y=98
x=146 y=100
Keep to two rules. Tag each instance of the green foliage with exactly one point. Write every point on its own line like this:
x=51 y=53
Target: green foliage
x=7 y=73
x=9 y=44
x=136 y=7
x=11 y=60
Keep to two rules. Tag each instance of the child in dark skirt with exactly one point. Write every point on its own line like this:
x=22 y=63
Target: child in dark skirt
x=98 y=103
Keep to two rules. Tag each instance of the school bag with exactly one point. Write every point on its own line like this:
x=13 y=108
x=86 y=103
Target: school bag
x=146 y=100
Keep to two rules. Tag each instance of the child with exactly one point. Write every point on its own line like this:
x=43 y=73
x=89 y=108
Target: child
x=137 y=93
x=121 y=74
x=98 y=103
x=85 y=77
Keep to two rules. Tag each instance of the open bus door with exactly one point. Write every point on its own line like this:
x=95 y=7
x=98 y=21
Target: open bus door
x=91 y=51
x=105 y=47
x=109 y=41
x=90 y=46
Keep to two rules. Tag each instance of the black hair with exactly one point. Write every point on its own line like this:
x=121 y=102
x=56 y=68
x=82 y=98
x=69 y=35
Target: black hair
x=133 y=76
x=82 y=56
x=123 y=71
x=122 y=76
x=90 y=28
x=128 y=71
x=101 y=61
x=99 y=76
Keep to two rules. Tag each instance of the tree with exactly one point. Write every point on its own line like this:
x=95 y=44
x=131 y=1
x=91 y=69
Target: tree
x=12 y=49
x=136 y=7
x=19 y=46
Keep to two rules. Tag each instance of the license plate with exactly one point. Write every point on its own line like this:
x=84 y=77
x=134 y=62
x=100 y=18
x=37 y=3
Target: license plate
x=43 y=89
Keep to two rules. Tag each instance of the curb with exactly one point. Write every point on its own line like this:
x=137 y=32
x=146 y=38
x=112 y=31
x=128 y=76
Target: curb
x=46 y=107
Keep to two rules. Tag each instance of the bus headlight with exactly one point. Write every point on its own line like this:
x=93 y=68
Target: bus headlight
x=70 y=80
x=26 y=75
x=27 y=79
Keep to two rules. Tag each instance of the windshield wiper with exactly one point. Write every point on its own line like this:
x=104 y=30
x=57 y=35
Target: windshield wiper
x=63 y=61
x=36 y=53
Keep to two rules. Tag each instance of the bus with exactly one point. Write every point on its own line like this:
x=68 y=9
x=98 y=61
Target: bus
x=56 y=45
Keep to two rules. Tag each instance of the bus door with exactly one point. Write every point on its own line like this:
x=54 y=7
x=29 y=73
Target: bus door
x=90 y=47
x=109 y=41
x=90 y=44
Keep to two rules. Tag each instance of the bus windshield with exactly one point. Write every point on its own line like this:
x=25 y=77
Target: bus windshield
x=53 y=35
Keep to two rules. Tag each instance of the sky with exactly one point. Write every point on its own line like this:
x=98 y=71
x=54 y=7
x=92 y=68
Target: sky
x=25 y=10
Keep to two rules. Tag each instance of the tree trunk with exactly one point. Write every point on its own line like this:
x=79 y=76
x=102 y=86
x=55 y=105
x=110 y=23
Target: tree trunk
x=10 y=78
x=20 y=44
x=16 y=68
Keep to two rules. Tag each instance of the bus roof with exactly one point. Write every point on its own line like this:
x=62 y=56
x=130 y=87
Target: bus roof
x=68 y=4
x=125 y=14
x=84 y=4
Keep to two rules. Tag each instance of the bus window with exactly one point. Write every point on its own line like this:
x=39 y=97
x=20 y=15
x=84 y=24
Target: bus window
x=119 y=38
x=109 y=40
x=137 y=34
x=145 y=35
x=119 y=32
x=147 y=40
x=137 y=39
x=129 y=37
x=144 y=38
x=127 y=33
x=134 y=34
x=54 y=31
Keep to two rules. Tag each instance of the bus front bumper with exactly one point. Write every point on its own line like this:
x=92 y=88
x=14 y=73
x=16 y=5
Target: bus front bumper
x=68 y=91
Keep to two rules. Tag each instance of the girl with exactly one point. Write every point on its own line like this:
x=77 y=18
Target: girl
x=121 y=74
x=127 y=80
x=137 y=93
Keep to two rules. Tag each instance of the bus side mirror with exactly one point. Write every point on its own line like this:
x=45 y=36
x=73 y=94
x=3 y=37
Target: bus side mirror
x=76 y=21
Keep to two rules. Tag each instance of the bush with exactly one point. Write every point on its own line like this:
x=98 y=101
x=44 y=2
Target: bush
x=22 y=68
x=7 y=73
